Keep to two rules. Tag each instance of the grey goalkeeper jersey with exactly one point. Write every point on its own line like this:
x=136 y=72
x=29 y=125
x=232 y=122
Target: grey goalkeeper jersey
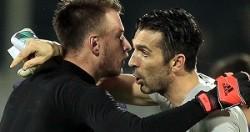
x=232 y=120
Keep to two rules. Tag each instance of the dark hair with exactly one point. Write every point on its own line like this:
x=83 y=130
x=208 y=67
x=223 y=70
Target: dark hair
x=74 y=19
x=234 y=63
x=181 y=33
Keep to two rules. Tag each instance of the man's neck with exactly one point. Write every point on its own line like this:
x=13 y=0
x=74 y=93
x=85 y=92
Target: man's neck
x=86 y=65
x=181 y=86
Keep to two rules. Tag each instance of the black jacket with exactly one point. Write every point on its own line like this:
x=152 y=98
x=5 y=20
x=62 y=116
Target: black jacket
x=61 y=97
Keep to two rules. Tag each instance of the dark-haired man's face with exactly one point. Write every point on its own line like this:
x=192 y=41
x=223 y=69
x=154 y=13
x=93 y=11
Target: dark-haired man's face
x=152 y=73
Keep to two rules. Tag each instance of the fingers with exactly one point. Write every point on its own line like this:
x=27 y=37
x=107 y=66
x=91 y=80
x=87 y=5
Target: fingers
x=34 y=62
x=28 y=50
x=26 y=73
x=41 y=50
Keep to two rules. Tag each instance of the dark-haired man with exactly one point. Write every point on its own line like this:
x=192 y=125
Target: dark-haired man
x=166 y=44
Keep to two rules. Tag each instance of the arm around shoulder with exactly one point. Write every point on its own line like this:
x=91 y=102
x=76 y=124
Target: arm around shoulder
x=125 y=89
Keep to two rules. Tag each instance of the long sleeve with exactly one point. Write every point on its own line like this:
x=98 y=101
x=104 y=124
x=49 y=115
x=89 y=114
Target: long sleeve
x=97 y=109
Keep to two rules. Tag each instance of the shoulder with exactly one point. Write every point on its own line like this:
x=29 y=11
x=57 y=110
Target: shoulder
x=231 y=120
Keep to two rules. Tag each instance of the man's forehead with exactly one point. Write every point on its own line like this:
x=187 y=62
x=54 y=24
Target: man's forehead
x=113 y=18
x=147 y=36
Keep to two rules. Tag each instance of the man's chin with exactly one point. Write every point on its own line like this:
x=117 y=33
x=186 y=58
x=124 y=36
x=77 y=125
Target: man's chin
x=113 y=73
x=145 y=90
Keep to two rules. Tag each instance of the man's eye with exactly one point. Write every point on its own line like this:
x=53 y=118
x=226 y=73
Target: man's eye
x=145 y=53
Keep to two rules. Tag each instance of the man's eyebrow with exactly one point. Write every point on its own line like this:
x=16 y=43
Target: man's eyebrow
x=142 y=46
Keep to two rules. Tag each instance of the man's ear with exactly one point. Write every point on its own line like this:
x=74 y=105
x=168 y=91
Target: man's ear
x=178 y=62
x=94 y=44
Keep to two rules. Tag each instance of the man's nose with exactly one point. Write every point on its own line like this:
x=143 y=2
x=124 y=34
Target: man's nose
x=132 y=61
x=126 y=45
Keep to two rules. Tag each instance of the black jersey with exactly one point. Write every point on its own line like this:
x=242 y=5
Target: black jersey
x=61 y=97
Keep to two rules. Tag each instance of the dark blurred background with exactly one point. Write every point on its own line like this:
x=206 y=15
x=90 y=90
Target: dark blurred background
x=225 y=26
